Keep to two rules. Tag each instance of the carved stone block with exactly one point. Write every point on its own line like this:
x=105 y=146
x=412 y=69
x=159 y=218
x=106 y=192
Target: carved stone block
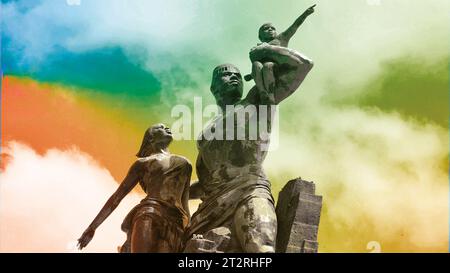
x=298 y=215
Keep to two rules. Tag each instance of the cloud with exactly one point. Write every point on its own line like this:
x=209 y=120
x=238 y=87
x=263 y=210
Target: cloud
x=181 y=41
x=48 y=200
x=383 y=175
x=227 y=29
x=94 y=24
x=383 y=178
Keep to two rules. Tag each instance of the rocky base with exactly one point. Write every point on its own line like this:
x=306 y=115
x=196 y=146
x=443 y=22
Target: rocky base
x=298 y=215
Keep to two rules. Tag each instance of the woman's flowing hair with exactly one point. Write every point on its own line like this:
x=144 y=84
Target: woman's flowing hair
x=143 y=151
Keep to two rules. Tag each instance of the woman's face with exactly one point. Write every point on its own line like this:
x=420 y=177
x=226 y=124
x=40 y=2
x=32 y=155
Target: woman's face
x=161 y=134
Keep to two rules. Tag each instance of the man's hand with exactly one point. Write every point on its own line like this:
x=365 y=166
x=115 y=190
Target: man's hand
x=309 y=11
x=86 y=238
x=196 y=191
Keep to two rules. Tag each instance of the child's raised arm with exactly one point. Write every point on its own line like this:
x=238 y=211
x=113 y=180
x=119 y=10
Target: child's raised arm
x=288 y=33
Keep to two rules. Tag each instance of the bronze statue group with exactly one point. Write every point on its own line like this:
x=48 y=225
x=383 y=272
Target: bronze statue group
x=232 y=185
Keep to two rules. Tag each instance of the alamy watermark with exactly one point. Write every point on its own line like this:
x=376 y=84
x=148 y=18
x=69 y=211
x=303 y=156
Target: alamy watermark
x=235 y=122
x=374 y=247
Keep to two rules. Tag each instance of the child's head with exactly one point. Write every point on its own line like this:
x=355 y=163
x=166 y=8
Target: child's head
x=267 y=33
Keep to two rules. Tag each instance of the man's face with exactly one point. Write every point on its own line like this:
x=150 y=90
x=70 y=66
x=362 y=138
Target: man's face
x=267 y=32
x=228 y=86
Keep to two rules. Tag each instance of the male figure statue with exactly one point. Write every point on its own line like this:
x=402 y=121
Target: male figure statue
x=232 y=185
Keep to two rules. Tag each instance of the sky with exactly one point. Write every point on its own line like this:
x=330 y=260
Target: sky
x=82 y=80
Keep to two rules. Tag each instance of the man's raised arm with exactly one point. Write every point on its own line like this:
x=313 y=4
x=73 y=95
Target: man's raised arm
x=292 y=69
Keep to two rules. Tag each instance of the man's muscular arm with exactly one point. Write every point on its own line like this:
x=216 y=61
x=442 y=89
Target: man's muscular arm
x=186 y=192
x=292 y=70
x=196 y=190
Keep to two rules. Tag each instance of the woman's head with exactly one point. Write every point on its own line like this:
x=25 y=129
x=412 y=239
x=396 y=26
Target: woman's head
x=155 y=138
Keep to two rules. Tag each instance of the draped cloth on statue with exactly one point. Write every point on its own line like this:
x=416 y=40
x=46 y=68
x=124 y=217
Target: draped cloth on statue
x=230 y=173
x=221 y=204
x=171 y=220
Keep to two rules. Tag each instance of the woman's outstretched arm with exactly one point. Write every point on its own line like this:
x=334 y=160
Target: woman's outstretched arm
x=125 y=187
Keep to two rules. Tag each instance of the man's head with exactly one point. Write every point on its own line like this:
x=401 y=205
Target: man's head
x=226 y=84
x=267 y=33
x=156 y=137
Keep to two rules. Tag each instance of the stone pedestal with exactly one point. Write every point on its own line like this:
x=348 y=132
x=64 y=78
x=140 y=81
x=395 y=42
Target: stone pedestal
x=298 y=214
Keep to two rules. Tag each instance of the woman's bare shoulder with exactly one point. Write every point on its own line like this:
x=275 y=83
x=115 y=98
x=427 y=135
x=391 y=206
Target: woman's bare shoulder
x=180 y=159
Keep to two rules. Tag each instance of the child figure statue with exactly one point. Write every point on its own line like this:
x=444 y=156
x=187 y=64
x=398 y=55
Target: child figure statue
x=268 y=34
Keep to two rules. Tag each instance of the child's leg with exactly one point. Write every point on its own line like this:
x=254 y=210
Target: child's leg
x=257 y=75
x=269 y=79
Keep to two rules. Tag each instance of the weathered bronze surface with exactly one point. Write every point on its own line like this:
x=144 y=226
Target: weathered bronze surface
x=158 y=223
x=235 y=191
x=268 y=34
